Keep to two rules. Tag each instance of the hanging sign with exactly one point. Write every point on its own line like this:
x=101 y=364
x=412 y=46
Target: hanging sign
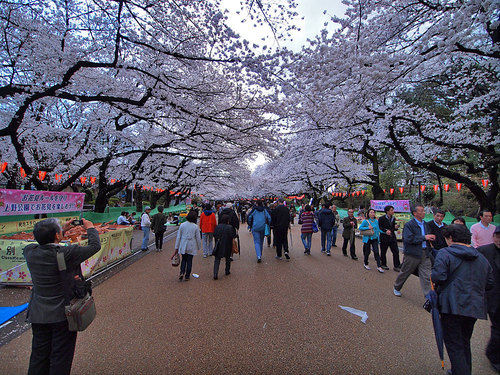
x=399 y=205
x=29 y=202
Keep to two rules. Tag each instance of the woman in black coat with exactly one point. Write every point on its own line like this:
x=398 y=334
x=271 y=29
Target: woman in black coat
x=461 y=275
x=223 y=234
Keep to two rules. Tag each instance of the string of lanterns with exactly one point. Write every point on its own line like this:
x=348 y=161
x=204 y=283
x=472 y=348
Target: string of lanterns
x=446 y=187
x=58 y=177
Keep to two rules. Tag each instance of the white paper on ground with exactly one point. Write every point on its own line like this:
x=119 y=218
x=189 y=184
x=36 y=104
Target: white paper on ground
x=195 y=275
x=362 y=314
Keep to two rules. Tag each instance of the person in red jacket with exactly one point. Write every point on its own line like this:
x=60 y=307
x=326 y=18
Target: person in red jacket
x=207 y=226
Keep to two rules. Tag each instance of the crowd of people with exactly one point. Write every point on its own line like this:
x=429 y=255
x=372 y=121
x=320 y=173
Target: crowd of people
x=465 y=276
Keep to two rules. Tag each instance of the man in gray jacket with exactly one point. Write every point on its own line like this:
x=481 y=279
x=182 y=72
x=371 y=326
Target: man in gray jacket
x=53 y=344
x=416 y=249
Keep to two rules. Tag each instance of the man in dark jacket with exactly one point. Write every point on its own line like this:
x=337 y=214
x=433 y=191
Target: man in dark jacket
x=436 y=228
x=388 y=227
x=492 y=253
x=326 y=221
x=233 y=217
x=416 y=249
x=461 y=275
x=350 y=223
x=280 y=217
x=158 y=222
x=53 y=344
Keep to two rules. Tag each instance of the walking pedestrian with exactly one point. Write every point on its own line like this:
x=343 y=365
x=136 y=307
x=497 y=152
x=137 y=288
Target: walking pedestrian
x=158 y=226
x=388 y=227
x=188 y=243
x=482 y=232
x=461 y=275
x=306 y=231
x=436 y=228
x=224 y=234
x=280 y=218
x=492 y=253
x=416 y=249
x=145 y=227
x=335 y=225
x=207 y=227
x=257 y=220
x=326 y=221
x=350 y=223
x=53 y=345
x=371 y=240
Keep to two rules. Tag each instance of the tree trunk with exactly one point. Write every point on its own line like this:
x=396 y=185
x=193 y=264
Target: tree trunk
x=138 y=198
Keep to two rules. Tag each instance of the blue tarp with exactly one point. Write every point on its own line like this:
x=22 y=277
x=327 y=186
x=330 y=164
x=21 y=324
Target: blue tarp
x=8 y=312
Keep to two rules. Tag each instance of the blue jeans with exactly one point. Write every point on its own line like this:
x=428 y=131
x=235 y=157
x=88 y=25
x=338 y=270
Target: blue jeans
x=306 y=240
x=207 y=239
x=334 y=235
x=326 y=236
x=145 y=239
x=258 y=240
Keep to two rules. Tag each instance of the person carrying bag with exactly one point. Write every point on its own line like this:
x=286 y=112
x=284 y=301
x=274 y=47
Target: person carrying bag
x=53 y=344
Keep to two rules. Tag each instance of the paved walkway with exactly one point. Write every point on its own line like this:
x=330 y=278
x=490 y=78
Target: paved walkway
x=276 y=317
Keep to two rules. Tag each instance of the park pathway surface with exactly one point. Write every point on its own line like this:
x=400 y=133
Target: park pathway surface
x=276 y=317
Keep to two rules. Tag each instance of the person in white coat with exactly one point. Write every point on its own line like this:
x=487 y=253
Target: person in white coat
x=188 y=243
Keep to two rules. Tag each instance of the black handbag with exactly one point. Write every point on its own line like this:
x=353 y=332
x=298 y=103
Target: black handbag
x=79 y=306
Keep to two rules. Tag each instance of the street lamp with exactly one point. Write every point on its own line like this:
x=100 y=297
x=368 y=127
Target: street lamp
x=419 y=179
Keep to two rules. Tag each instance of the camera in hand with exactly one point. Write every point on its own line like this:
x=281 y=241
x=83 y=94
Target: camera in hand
x=77 y=222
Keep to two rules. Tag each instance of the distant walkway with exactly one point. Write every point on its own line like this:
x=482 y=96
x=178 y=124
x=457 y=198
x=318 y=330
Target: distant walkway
x=276 y=317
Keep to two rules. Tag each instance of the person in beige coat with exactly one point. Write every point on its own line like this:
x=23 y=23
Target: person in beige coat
x=188 y=243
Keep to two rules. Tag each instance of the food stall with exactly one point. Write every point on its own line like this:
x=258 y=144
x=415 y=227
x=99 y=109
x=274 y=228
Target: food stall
x=16 y=234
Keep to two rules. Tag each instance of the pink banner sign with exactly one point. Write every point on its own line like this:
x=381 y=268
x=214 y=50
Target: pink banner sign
x=399 y=205
x=29 y=202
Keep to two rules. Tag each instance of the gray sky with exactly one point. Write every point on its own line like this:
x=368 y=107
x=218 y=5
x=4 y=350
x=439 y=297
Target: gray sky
x=312 y=24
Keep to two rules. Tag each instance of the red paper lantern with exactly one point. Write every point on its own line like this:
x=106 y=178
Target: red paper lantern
x=391 y=190
x=41 y=175
x=446 y=187
x=484 y=181
x=363 y=192
x=22 y=172
x=112 y=180
x=401 y=190
x=459 y=186
x=82 y=180
x=357 y=193
x=436 y=188
x=422 y=188
x=92 y=180
x=3 y=167
x=384 y=191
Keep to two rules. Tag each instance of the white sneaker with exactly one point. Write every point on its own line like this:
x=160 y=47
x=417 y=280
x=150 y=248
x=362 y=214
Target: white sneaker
x=397 y=293
x=379 y=269
x=367 y=267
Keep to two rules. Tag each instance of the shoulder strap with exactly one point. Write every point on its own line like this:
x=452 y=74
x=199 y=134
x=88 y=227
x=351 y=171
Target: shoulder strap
x=452 y=277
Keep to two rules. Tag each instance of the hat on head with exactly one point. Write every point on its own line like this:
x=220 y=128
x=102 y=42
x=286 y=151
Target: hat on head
x=497 y=230
x=229 y=205
x=147 y=208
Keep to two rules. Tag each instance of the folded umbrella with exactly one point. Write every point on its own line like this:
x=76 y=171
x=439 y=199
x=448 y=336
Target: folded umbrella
x=432 y=299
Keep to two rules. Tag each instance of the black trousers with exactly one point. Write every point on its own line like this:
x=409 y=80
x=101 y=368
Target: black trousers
x=52 y=349
x=493 y=348
x=281 y=240
x=186 y=264
x=366 y=251
x=159 y=240
x=352 y=249
x=217 y=264
x=393 y=245
x=457 y=331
